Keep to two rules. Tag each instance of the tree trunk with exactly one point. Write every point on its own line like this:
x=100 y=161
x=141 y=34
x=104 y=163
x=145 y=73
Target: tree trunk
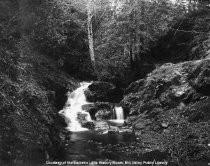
x=131 y=54
x=131 y=37
x=90 y=32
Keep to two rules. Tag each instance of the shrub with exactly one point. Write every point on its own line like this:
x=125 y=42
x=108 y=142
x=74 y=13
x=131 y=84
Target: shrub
x=186 y=142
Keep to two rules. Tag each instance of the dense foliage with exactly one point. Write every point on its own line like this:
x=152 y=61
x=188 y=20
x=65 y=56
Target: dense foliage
x=43 y=40
x=127 y=31
x=59 y=32
x=123 y=33
x=186 y=142
x=188 y=38
x=32 y=89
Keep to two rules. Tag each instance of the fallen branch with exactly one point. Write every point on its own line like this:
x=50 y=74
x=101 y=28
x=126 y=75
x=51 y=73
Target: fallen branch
x=193 y=31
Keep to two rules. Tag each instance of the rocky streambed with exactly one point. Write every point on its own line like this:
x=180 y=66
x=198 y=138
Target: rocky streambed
x=169 y=110
x=166 y=119
x=105 y=137
x=166 y=114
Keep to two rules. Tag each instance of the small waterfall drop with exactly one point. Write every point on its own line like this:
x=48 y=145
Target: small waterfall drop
x=73 y=107
x=119 y=113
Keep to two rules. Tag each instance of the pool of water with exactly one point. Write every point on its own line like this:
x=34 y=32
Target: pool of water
x=94 y=146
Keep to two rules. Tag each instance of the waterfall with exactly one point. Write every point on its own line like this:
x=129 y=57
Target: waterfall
x=119 y=113
x=73 y=107
x=119 y=121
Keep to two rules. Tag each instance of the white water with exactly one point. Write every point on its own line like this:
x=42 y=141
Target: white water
x=119 y=113
x=73 y=107
x=119 y=121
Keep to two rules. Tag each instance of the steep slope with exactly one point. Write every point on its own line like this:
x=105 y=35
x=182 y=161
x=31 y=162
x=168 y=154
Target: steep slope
x=32 y=90
x=188 y=39
x=169 y=109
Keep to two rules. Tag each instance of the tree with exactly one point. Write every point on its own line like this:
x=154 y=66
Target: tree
x=90 y=31
x=126 y=33
x=90 y=7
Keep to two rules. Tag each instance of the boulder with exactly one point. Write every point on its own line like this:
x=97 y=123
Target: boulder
x=82 y=117
x=99 y=110
x=89 y=125
x=91 y=108
x=170 y=107
x=101 y=126
x=103 y=92
x=103 y=114
x=184 y=86
x=134 y=86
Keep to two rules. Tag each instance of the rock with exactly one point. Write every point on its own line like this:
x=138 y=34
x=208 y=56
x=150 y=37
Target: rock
x=99 y=110
x=139 y=125
x=110 y=132
x=88 y=107
x=103 y=114
x=82 y=117
x=183 y=86
x=89 y=125
x=169 y=97
x=134 y=86
x=91 y=108
x=164 y=125
x=103 y=92
x=200 y=77
x=101 y=126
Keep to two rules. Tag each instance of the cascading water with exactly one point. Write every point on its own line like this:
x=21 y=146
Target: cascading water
x=92 y=145
x=119 y=113
x=73 y=107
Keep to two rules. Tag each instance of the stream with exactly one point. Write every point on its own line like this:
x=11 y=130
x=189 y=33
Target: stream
x=91 y=146
x=109 y=141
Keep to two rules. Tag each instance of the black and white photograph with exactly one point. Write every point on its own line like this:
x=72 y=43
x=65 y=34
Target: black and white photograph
x=104 y=82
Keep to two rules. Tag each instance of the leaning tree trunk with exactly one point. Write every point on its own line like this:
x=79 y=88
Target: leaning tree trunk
x=90 y=32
